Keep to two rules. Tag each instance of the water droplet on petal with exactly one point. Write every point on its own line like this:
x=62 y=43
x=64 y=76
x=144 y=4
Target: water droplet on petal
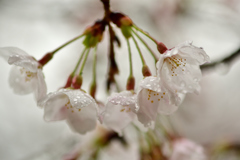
x=183 y=84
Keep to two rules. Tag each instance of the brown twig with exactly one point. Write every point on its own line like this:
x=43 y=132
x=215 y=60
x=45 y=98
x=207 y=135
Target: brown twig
x=227 y=60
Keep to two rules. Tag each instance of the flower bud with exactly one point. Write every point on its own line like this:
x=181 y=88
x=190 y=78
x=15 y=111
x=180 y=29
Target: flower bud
x=145 y=71
x=94 y=34
x=46 y=58
x=123 y=22
x=161 y=47
x=130 y=83
x=69 y=81
x=93 y=89
x=77 y=82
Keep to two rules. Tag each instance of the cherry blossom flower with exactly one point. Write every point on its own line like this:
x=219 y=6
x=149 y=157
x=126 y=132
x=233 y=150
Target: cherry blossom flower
x=179 y=69
x=77 y=107
x=153 y=99
x=183 y=149
x=120 y=110
x=26 y=76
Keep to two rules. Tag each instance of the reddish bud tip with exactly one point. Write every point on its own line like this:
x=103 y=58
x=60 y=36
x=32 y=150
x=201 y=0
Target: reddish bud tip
x=130 y=83
x=146 y=71
x=161 y=47
x=77 y=82
x=46 y=58
x=69 y=82
x=93 y=89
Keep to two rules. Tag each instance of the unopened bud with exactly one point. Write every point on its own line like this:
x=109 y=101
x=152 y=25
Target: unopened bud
x=77 y=82
x=161 y=47
x=69 y=81
x=146 y=71
x=46 y=58
x=130 y=83
x=93 y=89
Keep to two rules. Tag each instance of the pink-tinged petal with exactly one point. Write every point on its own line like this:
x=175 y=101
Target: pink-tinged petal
x=6 y=52
x=79 y=99
x=123 y=98
x=41 y=89
x=151 y=83
x=184 y=149
x=183 y=78
x=55 y=106
x=24 y=61
x=190 y=51
x=117 y=117
x=22 y=81
x=82 y=120
x=147 y=107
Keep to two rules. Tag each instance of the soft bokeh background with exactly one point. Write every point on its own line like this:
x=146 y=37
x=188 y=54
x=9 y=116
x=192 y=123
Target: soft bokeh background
x=40 y=26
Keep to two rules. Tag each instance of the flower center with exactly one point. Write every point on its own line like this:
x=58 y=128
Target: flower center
x=155 y=96
x=125 y=109
x=176 y=64
x=69 y=106
x=28 y=75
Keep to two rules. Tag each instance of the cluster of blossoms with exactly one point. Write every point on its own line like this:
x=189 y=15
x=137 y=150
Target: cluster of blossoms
x=177 y=73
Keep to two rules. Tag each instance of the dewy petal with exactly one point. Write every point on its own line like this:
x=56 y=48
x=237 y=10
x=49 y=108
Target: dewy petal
x=179 y=69
x=124 y=98
x=152 y=83
x=24 y=61
x=54 y=106
x=82 y=111
x=195 y=53
x=147 y=108
x=117 y=117
x=184 y=149
x=84 y=119
x=6 y=52
x=41 y=89
x=182 y=78
x=79 y=99
x=19 y=81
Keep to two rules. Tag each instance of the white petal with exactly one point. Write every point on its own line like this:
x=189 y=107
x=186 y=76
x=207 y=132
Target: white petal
x=24 y=61
x=197 y=54
x=5 y=52
x=54 y=106
x=152 y=83
x=117 y=117
x=183 y=78
x=147 y=108
x=79 y=99
x=123 y=98
x=20 y=82
x=41 y=89
x=84 y=119
x=184 y=149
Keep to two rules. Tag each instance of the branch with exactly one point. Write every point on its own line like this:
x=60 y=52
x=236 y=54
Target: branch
x=228 y=61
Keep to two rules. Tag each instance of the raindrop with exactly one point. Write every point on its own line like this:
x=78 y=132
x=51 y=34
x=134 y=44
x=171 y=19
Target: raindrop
x=183 y=84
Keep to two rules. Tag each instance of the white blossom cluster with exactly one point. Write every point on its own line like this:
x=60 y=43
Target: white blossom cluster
x=178 y=73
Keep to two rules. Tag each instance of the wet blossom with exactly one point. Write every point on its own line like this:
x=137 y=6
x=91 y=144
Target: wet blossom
x=26 y=75
x=183 y=149
x=77 y=107
x=152 y=99
x=120 y=110
x=179 y=69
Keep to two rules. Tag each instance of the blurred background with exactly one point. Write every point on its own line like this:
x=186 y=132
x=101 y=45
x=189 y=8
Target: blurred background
x=40 y=26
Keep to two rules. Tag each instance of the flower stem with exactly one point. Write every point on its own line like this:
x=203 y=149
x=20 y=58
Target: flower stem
x=145 y=33
x=145 y=44
x=139 y=51
x=67 y=43
x=84 y=61
x=130 y=58
x=79 y=61
x=95 y=65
